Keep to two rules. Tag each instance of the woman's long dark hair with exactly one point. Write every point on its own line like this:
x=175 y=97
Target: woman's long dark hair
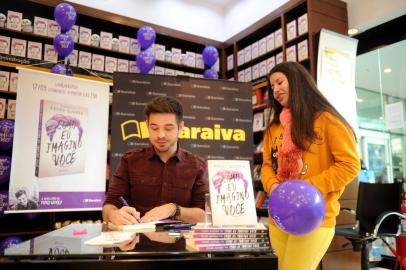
x=305 y=102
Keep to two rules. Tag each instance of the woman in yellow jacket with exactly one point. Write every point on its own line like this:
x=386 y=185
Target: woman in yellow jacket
x=306 y=139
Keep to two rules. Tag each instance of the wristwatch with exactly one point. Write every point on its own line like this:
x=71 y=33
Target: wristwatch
x=177 y=211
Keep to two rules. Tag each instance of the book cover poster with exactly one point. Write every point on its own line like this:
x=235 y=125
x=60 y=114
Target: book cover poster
x=61 y=145
x=231 y=192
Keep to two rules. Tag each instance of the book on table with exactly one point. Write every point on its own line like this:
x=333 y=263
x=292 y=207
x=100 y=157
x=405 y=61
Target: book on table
x=139 y=227
x=143 y=227
x=112 y=238
x=208 y=228
x=206 y=237
x=231 y=193
x=220 y=247
x=225 y=241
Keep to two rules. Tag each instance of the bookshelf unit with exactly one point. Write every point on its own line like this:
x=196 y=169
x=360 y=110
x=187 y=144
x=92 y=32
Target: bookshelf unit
x=289 y=33
x=15 y=224
x=307 y=17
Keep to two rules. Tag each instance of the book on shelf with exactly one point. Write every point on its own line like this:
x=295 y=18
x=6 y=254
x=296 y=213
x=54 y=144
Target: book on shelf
x=258 y=122
x=243 y=246
x=61 y=139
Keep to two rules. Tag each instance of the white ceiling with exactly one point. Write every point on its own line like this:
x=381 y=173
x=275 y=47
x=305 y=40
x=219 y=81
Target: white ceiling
x=366 y=14
x=211 y=19
x=221 y=19
x=219 y=4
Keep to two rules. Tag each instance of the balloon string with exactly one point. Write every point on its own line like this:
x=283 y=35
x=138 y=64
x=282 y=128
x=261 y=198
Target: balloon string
x=94 y=74
x=41 y=63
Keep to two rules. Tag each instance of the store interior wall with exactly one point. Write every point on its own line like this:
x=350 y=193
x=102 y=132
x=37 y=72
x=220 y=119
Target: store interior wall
x=380 y=81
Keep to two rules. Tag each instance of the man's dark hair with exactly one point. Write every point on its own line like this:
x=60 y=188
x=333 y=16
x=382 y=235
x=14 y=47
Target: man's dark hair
x=165 y=105
x=20 y=192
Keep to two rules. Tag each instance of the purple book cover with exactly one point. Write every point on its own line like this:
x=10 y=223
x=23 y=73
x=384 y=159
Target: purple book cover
x=229 y=235
x=61 y=141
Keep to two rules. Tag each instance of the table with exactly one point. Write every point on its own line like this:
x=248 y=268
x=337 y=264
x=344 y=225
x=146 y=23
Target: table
x=65 y=249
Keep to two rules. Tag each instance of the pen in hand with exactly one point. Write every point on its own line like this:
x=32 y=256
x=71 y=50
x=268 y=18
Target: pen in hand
x=125 y=203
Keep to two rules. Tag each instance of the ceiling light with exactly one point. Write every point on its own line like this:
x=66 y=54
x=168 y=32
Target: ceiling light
x=387 y=70
x=352 y=31
x=380 y=117
x=359 y=100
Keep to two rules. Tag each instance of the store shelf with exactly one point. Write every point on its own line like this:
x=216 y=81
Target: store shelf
x=16 y=65
x=259 y=107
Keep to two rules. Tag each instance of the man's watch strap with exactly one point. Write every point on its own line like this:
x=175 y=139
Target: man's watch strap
x=177 y=211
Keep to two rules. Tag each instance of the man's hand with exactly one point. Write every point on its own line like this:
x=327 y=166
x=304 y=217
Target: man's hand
x=130 y=244
x=124 y=216
x=158 y=213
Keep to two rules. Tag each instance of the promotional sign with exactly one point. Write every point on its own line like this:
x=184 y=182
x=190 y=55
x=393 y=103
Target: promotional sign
x=60 y=143
x=217 y=115
x=336 y=73
x=231 y=194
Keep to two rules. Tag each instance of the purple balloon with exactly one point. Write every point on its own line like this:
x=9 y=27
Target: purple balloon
x=145 y=61
x=63 y=44
x=6 y=134
x=210 y=55
x=297 y=207
x=146 y=37
x=65 y=15
x=5 y=167
x=9 y=242
x=210 y=74
x=59 y=69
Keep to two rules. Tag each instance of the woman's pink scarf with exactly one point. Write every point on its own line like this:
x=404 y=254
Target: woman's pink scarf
x=290 y=155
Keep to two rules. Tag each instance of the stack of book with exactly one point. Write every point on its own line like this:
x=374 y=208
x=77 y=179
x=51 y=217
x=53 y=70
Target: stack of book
x=206 y=237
